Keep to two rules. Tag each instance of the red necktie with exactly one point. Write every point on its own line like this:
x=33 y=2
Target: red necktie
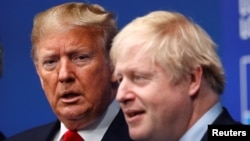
x=72 y=136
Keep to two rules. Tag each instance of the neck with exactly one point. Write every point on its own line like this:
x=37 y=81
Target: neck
x=203 y=101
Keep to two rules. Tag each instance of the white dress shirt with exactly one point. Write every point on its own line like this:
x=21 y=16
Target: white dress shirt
x=196 y=132
x=96 y=131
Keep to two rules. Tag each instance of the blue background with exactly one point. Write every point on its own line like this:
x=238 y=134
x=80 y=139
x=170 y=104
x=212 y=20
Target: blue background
x=22 y=101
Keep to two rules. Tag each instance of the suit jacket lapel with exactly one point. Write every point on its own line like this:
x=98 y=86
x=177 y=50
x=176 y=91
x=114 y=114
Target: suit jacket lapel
x=118 y=130
x=52 y=130
x=224 y=118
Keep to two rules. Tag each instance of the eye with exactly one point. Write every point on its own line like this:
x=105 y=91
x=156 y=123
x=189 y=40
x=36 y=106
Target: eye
x=81 y=59
x=50 y=64
x=119 y=80
x=140 y=79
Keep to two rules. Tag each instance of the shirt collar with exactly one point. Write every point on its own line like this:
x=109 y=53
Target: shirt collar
x=97 y=130
x=196 y=132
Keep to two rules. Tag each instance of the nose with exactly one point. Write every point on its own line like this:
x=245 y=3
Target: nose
x=125 y=92
x=65 y=73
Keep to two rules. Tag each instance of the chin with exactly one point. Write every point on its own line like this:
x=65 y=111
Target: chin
x=138 y=135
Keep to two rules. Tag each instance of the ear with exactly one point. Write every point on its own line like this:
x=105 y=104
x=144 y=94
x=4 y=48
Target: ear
x=195 y=80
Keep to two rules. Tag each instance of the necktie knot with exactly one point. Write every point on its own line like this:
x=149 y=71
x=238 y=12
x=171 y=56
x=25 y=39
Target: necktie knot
x=72 y=136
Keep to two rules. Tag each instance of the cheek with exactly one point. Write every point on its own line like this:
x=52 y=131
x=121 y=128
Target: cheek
x=95 y=80
x=165 y=99
x=163 y=106
x=48 y=84
x=98 y=74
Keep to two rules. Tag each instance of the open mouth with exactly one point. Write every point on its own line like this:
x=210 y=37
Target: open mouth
x=134 y=113
x=70 y=95
x=70 y=98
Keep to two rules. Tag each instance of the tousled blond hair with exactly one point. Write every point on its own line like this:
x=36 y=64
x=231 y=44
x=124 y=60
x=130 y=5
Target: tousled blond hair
x=175 y=43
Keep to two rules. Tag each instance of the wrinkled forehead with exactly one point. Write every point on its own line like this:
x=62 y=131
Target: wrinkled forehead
x=77 y=36
x=134 y=58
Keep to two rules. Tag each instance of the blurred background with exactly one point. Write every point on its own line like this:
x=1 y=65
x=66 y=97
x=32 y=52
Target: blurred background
x=22 y=102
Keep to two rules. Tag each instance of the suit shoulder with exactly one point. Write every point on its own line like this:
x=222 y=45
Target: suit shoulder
x=39 y=133
x=226 y=118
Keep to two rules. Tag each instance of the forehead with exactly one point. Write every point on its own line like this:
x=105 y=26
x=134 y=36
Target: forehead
x=133 y=59
x=74 y=37
x=76 y=34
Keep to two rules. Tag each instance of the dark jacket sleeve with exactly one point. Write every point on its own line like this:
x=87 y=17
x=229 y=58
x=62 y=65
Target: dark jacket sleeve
x=42 y=133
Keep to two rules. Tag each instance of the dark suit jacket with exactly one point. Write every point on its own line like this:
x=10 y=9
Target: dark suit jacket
x=223 y=119
x=2 y=137
x=118 y=131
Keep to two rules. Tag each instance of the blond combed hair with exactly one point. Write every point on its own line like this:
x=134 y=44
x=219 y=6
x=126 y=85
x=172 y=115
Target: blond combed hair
x=175 y=43
x=66 y=16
